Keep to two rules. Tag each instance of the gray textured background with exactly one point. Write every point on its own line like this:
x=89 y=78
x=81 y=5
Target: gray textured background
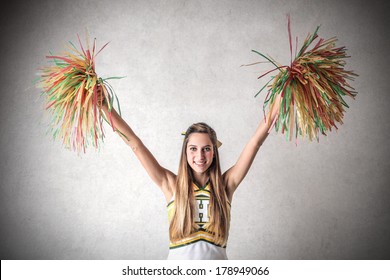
x=182 y=63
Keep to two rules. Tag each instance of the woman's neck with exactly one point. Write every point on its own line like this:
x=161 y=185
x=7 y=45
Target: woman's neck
x=201 y=178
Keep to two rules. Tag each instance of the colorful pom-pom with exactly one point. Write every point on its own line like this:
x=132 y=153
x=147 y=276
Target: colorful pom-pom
x=70 y=86
x=312 y=88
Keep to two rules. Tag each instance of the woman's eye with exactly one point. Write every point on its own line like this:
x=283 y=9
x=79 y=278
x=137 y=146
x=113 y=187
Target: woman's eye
x=207 y=149
x=193 y=149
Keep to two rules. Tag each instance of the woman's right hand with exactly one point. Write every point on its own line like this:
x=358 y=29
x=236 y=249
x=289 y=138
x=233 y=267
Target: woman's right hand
x=101 y=100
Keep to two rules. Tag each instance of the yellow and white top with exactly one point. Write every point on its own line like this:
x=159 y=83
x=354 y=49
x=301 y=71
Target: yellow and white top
x=200 y=244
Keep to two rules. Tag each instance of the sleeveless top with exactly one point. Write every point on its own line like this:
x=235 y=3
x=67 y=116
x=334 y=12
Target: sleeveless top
x=200 y=244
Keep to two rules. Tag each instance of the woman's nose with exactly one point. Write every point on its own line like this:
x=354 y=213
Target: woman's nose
x=201 y=154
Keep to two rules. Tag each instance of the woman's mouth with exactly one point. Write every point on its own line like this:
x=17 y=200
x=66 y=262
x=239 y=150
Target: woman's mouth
x=200 y=164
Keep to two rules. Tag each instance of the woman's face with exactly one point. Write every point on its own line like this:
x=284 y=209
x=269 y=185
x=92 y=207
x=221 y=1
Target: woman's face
x=200 y=152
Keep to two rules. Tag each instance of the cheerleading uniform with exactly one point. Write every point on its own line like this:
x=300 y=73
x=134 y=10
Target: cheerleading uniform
x=200 y=244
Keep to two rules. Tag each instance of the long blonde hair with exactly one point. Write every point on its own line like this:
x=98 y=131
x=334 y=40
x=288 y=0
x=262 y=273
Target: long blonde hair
x=182 y=223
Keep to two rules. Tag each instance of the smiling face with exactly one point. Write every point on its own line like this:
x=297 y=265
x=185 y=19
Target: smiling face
x=200 y=152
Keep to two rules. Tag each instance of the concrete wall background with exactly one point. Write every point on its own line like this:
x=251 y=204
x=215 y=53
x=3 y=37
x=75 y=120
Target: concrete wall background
x=182 y=63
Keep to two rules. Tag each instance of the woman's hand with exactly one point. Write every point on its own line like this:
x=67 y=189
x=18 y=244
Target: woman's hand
x=273 y=114
x=101 y=100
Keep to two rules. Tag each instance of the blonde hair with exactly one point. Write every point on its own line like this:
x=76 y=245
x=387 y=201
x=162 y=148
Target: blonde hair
x=182 y=223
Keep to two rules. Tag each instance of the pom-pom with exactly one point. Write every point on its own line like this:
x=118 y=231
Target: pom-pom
x=312 y=88
x=70 y=86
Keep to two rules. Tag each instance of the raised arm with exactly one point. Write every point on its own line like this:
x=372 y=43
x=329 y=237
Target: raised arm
x=234 y=176
x=164 y=178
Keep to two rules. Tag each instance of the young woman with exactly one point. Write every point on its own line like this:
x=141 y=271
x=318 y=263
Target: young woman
x=199 y=196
